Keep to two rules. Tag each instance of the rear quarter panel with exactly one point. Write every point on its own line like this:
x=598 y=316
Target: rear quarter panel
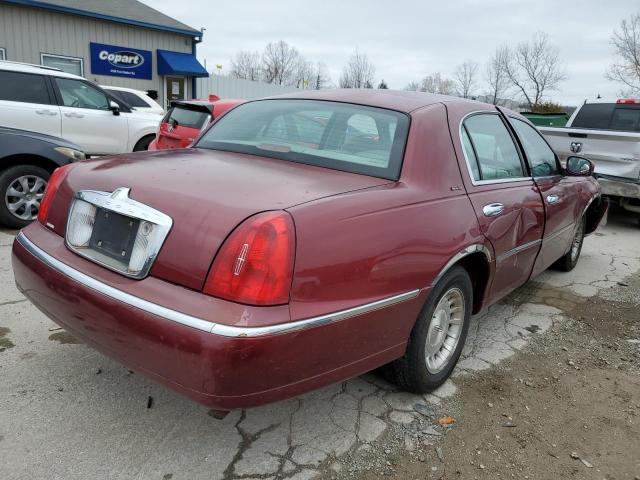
x=370 y=244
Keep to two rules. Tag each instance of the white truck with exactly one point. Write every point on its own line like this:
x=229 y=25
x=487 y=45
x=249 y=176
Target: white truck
x=608 y=134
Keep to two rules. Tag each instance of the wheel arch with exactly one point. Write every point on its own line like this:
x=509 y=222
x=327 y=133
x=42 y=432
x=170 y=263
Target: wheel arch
x=28 y=159
x=476 y=260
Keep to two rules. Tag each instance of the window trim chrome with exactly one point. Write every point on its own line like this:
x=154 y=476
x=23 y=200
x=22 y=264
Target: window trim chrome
x=119 y=202
x=478 y=183
x=200 y=323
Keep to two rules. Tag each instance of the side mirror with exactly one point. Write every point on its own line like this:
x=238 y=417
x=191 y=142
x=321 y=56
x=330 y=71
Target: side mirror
x=579 y=167
x=114 y=107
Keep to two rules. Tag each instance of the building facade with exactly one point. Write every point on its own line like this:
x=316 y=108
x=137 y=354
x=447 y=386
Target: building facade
x=122 y=43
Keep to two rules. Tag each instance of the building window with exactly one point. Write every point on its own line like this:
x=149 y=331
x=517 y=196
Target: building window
x=3 y=54
x=66 y=64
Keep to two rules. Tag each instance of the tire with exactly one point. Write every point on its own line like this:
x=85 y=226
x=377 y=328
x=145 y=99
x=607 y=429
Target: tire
x=143 y=143
x=13 y=181
x=418 y=370
x=567 y=262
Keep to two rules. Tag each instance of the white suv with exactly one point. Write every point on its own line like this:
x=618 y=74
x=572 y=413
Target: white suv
x=49 y=101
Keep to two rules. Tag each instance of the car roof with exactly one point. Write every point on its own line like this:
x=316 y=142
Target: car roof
x=125 y=89
x=39 y=69
x=399 y=100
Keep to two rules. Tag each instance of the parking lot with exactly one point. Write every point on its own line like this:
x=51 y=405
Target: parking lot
x=68 y=412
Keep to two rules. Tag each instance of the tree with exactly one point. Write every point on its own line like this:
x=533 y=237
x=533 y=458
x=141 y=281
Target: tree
x=436 y=83
x=465 y=76
x=358 y=72
x=280 y=62
x=626 y=42
x=246 y=65
x=322 y=77
x=534 y=68
x=304 y=75
x=383 y=85
x=413 y=87
x=496 y=74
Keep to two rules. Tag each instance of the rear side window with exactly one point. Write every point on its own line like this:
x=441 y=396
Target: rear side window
x=594 y=115
x=352 y=138
x=129 y=98
x=24 y=87
x=496 y=154
x=180 y=116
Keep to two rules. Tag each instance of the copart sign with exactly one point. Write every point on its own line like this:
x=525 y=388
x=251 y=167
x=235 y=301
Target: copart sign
x=120 y=61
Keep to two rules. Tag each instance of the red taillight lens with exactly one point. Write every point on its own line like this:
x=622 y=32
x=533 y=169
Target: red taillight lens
x=255 y=264
x=53 y=184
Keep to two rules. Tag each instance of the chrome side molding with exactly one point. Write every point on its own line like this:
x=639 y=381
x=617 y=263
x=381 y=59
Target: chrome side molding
x=476 y=247
x=200 y=323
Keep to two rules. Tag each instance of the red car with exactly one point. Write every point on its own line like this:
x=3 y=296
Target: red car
x=187 y=119
x=304 y=240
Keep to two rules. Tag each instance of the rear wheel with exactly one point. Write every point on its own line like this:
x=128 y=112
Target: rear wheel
x=568 y=262
x=21 y=189
x=438 y=335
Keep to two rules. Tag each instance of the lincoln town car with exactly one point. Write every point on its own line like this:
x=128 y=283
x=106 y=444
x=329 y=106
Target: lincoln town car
x=305 y=239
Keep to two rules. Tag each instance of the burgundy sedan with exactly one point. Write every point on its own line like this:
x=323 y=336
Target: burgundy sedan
x=304 y=240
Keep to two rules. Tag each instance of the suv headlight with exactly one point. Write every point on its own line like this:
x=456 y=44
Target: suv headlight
x=73 y=154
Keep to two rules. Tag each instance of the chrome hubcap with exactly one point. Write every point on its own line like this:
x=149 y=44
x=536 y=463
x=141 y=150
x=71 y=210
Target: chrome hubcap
x=24 y=195
x=444 y=330
x=577 y=241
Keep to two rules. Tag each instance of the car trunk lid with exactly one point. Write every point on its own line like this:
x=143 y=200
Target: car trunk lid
x=207 y=194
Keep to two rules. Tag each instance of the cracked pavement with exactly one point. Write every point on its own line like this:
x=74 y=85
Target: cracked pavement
x=67 y=412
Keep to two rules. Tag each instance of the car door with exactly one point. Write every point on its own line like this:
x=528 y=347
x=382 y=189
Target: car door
x=505 y=198
x=560 y=194
x=87 y=119
x=27 y=103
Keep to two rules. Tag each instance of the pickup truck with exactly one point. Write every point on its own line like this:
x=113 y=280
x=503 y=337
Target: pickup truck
x=608 y=134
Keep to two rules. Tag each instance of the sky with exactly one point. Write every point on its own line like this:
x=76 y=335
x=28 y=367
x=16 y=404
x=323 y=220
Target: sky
x=407 y=40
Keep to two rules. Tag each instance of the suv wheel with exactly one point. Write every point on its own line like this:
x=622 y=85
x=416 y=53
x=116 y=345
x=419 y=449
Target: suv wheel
x=21 y=189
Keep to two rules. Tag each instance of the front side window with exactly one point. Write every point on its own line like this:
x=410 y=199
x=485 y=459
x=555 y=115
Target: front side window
x=66 y=64
x=24 y=87
x=341 y=136
x=496 y=154
x=182 y=116
x=541 y=158
x=79 y=94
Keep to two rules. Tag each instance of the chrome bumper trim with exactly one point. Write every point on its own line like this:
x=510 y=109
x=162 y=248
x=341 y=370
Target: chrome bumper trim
x=199 y=323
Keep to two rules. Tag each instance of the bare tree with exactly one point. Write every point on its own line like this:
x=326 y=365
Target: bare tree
x=280 y=62
x=436 y=83
x=358 y=72
x=304 y=75
x=413 y=87
x=246 y=65
x=534 y=68
x=626 y=42
x=496 y=74
x=465 y=76
x=322 y=77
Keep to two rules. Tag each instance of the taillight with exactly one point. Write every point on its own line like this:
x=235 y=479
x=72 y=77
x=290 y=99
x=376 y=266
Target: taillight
x=255 y=264
x=56 y=178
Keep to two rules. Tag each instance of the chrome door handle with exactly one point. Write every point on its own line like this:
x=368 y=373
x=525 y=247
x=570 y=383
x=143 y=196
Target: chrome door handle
x=552 y=199
x=493 y=209
x=45 y=112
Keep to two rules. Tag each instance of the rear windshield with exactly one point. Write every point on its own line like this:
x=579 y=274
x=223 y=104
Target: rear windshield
x=183 y=116
x=609 y=116
x=341 y=136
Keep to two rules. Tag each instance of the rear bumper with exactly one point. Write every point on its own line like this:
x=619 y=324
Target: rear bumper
x=236 y=367
x=619 y=186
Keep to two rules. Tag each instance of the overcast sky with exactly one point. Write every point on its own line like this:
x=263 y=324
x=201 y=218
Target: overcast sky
x=407 y=40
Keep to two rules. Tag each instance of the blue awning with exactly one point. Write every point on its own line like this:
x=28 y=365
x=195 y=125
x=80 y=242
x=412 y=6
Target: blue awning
x=176 y=63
